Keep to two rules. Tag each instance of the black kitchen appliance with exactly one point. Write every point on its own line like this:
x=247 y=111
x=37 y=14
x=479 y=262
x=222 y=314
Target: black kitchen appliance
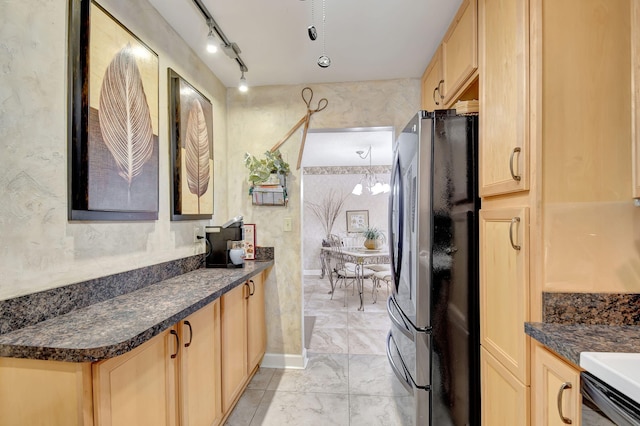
x=219 y=240
x=434 y=342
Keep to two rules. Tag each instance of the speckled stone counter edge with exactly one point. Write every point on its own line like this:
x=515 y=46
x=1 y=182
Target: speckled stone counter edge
x=569 y=340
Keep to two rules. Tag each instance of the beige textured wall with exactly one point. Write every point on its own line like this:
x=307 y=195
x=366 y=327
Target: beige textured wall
x=39 y=247
x=259 y=119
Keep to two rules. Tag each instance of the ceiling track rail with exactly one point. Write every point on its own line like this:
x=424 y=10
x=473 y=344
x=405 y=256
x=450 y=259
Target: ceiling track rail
x=231 y=49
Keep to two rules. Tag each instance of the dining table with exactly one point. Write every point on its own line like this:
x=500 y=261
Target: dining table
x=360 y=257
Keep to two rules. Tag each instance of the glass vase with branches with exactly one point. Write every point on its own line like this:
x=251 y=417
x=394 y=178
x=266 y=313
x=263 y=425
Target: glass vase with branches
x=328 y=209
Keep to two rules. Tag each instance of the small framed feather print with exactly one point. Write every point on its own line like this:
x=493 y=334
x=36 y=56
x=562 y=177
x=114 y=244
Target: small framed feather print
x=113 y=119
x=191 y=135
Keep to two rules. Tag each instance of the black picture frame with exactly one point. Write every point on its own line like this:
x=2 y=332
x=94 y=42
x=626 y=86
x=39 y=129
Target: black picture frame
x=100 y=187
x=192 y=195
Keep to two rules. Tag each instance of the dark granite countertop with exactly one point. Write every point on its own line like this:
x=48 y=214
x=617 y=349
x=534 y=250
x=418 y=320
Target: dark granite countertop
x=115 y=326
x=568 y=340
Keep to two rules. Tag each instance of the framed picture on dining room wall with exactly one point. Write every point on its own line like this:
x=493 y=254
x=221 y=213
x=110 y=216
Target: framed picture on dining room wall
x=191 y=134
x=113 y=119
x=357 y=220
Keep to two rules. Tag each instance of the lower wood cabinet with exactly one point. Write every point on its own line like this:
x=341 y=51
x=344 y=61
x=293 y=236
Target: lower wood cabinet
x=52 y=393
x=172 y=379
x=505 y=400
x=555 y=385
x=190 y=375
x=138 y=388
x=243 y=337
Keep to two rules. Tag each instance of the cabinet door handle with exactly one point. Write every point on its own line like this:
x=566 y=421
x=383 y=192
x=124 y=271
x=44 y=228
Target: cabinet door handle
x=252 y=292
x=248 y=294
x=513 y=221
x=435 y=89
x=175 y=333
x=565 y=385
x=188 y=324
x=513 y=154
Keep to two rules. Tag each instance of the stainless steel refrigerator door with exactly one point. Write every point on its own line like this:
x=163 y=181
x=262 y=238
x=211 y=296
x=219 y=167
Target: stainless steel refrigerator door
x=410 y=221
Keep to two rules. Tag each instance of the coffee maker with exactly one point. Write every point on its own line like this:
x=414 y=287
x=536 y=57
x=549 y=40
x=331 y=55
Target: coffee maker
x=224 y=244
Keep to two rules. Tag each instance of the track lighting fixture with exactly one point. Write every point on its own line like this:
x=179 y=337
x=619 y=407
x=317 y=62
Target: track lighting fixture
x=212 y=47
x=243 y=86
x=231 y=49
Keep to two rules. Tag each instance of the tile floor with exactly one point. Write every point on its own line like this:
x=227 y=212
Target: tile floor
x=348 y=380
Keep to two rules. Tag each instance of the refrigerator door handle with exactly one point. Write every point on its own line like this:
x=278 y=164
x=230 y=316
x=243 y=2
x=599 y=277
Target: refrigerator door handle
x=404 y=322
x=404 y=376
x=396 y=190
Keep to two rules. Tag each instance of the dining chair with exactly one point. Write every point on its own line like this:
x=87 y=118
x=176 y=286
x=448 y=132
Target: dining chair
x=381 y=275
x=346 y=273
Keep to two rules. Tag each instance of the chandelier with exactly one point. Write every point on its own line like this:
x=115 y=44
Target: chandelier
x=369 y=180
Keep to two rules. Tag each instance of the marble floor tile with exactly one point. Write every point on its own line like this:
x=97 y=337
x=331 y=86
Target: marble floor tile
x=329 y=341
x=372 y=375
x=302 y=408
x=379 y=410
x=324 y=373
x=245 y=409
x=328 y=319
x=362 y=341
x=261 y=379
x=369 y=320
x=336 y=305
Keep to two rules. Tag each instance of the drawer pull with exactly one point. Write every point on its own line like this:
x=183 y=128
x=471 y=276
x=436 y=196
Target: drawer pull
x=252 y=292
x=175 y=333
x=513 y=153
x=565 y=385
x=249 y=293
x=188 y=324
x=513 y=221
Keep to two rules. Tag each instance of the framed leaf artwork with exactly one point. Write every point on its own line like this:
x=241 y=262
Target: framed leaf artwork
x=191 y=134
x=113 y=119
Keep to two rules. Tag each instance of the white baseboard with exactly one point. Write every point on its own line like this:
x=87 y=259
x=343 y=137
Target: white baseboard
x=296 y=362
x=315 y=272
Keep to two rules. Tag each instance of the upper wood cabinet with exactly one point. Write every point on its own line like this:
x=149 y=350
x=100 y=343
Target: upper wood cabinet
x=635 y=94
x=432 y=82
x=504 y=96
x=556 y=399
x=460 y=50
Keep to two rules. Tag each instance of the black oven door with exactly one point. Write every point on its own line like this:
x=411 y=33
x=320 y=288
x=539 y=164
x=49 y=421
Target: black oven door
x=603 y=405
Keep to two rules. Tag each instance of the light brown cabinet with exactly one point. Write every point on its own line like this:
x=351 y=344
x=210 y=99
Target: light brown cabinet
x=138 y=387
x=431 y=84
x=460 y=51
x=556 y=399
x=504 y=96
x=504 y=288
x=175 y=375
x=505 y=400
x=243 y=337
x=256 y=325
x=175 y=378
x=554 y=144
x=234 y=345
x=200 y=392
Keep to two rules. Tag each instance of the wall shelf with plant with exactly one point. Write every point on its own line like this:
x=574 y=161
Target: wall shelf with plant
x=268 y=179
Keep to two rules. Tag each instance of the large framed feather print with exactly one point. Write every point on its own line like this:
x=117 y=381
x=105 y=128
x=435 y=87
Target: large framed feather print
x=113 y=119
x=191 y=134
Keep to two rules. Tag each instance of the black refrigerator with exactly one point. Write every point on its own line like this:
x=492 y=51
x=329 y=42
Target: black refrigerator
x=434 y=342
